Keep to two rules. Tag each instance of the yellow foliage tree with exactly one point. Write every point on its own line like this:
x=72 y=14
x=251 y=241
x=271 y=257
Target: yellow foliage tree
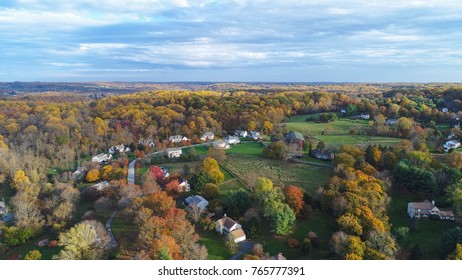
x=106 y=172
x=20 y=179
x=93 y=175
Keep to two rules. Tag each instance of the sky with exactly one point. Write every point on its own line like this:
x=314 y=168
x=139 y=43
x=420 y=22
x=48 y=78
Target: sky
x=231 y=40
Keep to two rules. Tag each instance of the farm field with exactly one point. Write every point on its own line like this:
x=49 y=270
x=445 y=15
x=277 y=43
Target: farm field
x=308 y=177
x=340 y=133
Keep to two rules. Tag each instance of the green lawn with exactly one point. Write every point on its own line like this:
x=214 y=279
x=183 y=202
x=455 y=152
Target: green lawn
x=247 y=148
x=320 y=223
x=340 y=134
x=230 y=185
x=47 y=253
x=214 y=243
x=282 y=173
x=123 y=227
x=428 y=232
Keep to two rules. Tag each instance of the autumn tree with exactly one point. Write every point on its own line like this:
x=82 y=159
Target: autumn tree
x=276 y=150
x=294 y=198
x=87 y=240
x=213 y=169
x=93 y=175
x=33 y=255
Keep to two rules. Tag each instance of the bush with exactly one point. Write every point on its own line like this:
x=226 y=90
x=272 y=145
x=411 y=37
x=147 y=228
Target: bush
x=293 y=243
x=306 y=246
x=327 y=117
x=53 y=243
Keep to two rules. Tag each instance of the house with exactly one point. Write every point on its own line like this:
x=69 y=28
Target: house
x=343 y=111
x=3 y=209
x=119 y=148
x=175 y=138
x=174 y=153
x=231 y=140
x=196 y=200
x=444 y=110
x=294 y=137
x=7 y=217
x=165 y=172
x=254 y=135
x=101 y=157
x=326 y=155
x=100 y=186
x=237 y=235
x=365 y=116
x=147 y=142
x=278 y=257
x=184 y=186
x=225 y=225
x=230 y=228
x=391 y=121
x=43 y=242
x=220 y=144
x=426 y=209
x=241 y=133
x=453 y=144
x=208 y=136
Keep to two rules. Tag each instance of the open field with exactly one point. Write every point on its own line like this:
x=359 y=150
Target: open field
x=428 y=232
x=124 y=228
x=247 y=148
x=340 y=133
x=22 y=250
x=282 y=173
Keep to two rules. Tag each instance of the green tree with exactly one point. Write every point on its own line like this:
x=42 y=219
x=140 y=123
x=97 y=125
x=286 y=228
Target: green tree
x=276 y=150
x=210 y=191
x=236 y=202
x=457 y=254
x=199 y=180
x=283 y=220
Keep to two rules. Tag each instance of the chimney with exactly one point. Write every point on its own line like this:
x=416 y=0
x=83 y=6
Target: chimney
x=433 y=202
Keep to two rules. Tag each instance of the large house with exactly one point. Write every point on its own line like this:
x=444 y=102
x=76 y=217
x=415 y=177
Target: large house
x=326 y=155
x=196 y=200
x=174 y=153
x=227 y=225
x=231 y=140
x=426 y=209
x=147 y=142
x=101 y=157
x=453 y=144
x=220 y=144
x=208 y=136
x=241 y=133
x=294 y=137
x=255 y=135
x=184 y=186
x=175 y=138
x=365 y=116
x=119 y=148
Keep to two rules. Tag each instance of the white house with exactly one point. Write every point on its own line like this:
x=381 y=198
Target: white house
x=241 y=133
x=184 y=186
x=227 y=226
x=255 y=135
x=208 y=136
x=391 y=121
x=365 y=116
x=426 y=208
x=119 y=148
x=147 y=142
x=100 y=186
x=196 y=200
x=3 y=209
x=174 y=153
x=231 y=140
x=175 y=138
x=343 y=111
x=101 y=157
x=220 y=144
x=444 y=110
x=453 y=144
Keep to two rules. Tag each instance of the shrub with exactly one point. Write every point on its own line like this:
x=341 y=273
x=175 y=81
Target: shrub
x=293 y=243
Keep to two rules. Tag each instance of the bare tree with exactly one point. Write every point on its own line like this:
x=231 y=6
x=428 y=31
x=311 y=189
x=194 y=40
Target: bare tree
x=195 y=212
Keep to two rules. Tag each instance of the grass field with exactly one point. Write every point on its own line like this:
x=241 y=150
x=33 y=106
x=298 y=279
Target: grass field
x=247 y=148
x=428 y=232
x=340 y=134
x=124 y=228
x=282 y=173
x=22 y=250
x=320 y=223
x=214 y=243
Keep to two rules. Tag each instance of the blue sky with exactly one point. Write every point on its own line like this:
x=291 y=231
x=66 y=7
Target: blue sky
x=231 y=40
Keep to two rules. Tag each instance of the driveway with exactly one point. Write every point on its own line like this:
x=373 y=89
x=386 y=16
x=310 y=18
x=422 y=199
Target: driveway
x=244 y=248
x=131 y=172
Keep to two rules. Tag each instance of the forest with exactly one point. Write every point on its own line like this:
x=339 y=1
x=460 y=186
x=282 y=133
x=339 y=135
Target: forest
x=45 y=138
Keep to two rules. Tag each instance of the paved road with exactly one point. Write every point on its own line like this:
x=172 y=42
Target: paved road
x=244 y=248
x=131 y=172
